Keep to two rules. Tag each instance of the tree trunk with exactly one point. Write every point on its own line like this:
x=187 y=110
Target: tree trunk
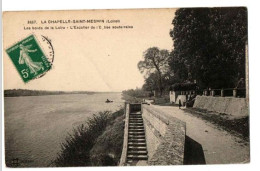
x=160 y=83
x=160 y=77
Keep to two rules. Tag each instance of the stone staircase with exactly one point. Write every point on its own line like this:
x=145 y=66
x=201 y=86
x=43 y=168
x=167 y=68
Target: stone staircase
x=137 y=151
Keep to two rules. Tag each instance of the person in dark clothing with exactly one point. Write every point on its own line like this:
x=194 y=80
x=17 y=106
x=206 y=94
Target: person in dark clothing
x=179 y=103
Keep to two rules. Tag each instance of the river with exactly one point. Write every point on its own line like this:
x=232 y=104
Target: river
x=36 y=125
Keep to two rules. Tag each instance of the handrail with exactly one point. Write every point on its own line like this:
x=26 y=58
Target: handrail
x=125 y=143
x=226 y=89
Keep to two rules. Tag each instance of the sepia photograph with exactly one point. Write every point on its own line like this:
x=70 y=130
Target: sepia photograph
x=126 y=87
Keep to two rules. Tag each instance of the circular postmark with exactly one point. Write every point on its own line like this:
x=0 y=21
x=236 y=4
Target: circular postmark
x=48 y=49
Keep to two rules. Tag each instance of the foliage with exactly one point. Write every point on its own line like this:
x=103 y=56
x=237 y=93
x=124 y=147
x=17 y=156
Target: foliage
x=209 y=46
x=155 y=61
x=151 y=82
x=139 y=93
x=75 y=151
x=108 y=147
x=184 y=86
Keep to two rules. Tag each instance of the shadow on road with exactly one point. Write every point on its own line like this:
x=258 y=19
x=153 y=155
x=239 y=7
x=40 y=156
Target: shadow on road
x=193 y=152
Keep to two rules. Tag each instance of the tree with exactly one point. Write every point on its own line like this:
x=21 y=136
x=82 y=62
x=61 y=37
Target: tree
x=155 y=60
x=209 y=46
x=229 y=33
x=192 y=44
x=151 y=82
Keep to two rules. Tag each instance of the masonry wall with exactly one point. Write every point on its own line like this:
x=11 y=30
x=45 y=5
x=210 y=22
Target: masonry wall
x=150 y=135
x=165 y=137
x=229 y=105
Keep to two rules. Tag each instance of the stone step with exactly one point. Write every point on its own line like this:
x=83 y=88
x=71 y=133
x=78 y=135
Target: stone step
x=136 y=140
x=135 y=148
x=135 y=117
x=135 y=133
x=137 y=157
x=131 y=162
x=137 y=144
x=136 y=130
x=136 y=126
x=136 y=113
x=139 y=152
x=135 y=121
x=138 y=123
x=136 y=136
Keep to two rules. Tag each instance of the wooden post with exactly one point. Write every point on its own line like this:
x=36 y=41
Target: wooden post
x=212 y=92
x=247 y=73
x=234 y=92
x=222 y=93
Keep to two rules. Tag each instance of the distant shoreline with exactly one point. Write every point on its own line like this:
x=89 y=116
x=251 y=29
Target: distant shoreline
x=25 y=92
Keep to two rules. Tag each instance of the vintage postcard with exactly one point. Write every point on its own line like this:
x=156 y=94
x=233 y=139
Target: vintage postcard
x=129 y=87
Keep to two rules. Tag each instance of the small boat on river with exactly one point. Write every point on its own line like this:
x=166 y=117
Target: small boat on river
x=109 y=101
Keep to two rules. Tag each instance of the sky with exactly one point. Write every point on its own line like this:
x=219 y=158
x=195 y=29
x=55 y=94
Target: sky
x=90 y=60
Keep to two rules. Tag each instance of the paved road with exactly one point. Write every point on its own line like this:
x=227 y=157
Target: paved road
x=218 y=146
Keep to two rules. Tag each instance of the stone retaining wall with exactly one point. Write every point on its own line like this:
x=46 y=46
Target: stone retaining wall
x=228 y=105
x=165 y=137
x=125 y=142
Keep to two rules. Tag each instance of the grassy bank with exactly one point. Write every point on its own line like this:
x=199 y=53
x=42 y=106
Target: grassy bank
x=163 y=101
x=97 y=143
x=131 y=99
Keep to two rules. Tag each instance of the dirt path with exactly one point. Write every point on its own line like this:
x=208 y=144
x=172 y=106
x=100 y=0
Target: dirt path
x=218 y=146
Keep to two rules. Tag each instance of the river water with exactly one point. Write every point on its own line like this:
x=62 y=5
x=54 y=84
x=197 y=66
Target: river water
x=36 y=125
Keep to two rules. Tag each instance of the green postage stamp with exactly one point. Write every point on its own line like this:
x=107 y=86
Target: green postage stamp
x=28 y=58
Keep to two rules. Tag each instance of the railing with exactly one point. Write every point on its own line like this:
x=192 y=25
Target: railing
x=125 y=143
x=188 y=92
x=235 y=92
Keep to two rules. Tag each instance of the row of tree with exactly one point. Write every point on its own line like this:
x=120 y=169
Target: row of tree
x=25 y=92
x=209 y=49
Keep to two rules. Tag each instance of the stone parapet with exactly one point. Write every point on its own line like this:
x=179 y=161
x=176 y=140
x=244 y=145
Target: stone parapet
x=165 y=137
